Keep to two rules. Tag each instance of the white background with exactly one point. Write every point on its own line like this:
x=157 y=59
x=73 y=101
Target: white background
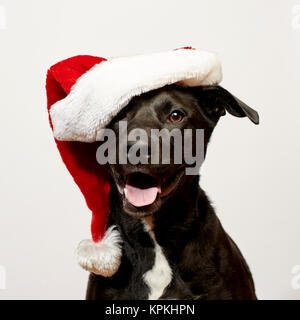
x=251 y=172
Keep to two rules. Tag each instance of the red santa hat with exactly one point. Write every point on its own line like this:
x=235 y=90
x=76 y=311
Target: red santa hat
x=84 y=93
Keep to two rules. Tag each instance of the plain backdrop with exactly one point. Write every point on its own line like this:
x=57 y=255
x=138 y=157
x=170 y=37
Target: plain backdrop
x=251 y=173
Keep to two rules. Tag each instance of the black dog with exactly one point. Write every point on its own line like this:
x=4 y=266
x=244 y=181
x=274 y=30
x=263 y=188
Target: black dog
x=174 y=248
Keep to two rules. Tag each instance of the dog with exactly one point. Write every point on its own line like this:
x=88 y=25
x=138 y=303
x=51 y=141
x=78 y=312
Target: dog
x=174 y=247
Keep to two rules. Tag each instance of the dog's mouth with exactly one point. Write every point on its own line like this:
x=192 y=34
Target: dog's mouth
x=141 y=189
x=143 y=192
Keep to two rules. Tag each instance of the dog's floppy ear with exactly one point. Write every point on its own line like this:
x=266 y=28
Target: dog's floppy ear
x=219 y=99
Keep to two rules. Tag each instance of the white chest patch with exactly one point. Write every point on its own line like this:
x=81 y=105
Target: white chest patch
x=159 y=277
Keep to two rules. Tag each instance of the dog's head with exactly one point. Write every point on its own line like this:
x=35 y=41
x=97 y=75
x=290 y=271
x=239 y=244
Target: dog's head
x=145 y=186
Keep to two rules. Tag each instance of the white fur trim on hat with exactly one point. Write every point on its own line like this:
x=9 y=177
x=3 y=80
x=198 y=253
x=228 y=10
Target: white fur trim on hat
x=103 y=257
x=100 y=93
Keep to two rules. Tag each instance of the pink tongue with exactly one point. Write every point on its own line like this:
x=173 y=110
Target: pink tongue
x=141 y=197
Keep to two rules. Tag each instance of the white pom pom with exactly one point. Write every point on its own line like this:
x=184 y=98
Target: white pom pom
x=103 y=257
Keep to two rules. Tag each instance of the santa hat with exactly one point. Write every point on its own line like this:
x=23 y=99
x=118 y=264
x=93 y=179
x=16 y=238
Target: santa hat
x=84 y=93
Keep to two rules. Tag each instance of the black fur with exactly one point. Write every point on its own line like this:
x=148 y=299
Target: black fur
x=205 y=262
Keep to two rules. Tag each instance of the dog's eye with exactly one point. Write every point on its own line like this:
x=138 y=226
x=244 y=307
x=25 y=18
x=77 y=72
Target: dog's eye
x=176 y=116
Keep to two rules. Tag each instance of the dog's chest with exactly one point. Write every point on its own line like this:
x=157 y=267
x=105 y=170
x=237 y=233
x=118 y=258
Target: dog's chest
x=160 y=275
